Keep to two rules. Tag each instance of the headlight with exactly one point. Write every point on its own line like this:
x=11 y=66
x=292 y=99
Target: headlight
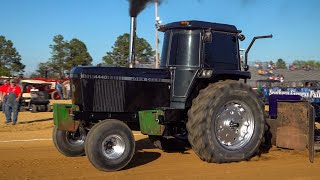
x=206 y=73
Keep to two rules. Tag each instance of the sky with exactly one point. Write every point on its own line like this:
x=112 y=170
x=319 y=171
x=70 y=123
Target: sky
x=32 y=24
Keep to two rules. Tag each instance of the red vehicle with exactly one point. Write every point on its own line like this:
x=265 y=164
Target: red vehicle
x=52 y=91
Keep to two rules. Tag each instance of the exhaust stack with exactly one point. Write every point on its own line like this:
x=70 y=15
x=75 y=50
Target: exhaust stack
x=132 y=47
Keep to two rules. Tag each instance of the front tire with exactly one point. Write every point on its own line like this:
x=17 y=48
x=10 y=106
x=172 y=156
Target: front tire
x=55 y=95
x=226 y=122
x=68 y=143
x=34 y=108
x=110 y=145
x=49 y=107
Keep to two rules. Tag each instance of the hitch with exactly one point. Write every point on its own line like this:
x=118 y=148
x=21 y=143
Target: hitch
x=246 y=67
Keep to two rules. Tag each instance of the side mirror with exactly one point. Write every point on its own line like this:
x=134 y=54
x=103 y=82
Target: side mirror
x=241 y=37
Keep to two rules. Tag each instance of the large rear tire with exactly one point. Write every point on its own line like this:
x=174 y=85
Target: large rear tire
x=68 y=143
x=110 y=145
x=226 y=122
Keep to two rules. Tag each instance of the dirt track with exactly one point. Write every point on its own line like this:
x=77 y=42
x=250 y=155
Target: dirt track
x=38 y=159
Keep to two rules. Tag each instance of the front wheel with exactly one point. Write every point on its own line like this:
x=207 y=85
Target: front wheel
x=55 y=95
x=110 y=145
x=49 y=107
x=33 y=108
x=226 y=122
x=69 y=143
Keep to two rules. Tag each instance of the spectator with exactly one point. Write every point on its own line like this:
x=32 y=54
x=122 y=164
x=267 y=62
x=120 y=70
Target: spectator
x=59 y=89
x=33 y=89
x=3 y=90
x=308 y=84
x=281 y=78
x=64 y=90
x=306 y=87
x=269 y=66
x=12 y=103
x=68 y=90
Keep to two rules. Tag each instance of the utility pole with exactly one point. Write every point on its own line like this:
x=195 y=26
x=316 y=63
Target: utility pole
x=157 y=26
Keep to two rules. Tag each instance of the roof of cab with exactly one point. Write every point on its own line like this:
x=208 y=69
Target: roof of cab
x=193 y=24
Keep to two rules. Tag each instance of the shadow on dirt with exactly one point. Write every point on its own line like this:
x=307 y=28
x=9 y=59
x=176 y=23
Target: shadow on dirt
x=38 y=120
x=144 y=144
x=142 y=157
x=176 y=146
x=269 y=139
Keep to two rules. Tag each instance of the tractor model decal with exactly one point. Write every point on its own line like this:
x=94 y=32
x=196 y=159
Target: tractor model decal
x=124 y=78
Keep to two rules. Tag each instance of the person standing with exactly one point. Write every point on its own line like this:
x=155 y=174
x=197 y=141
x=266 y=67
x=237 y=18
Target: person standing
x=3 y=90
x=64 y=90
x=59 y=89
x=68 y=89
x=12 y=103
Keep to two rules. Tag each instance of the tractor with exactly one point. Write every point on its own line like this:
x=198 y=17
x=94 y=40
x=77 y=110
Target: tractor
x=198 y=97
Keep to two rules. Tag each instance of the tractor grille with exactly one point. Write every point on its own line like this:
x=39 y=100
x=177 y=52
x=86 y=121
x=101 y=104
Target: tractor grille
x=109 y=96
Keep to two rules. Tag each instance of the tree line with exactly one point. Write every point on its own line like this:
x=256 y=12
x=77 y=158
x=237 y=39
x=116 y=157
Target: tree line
x=298 y=64
x=67 y=54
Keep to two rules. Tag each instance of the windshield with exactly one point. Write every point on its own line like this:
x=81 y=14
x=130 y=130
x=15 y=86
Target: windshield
x=181 y=48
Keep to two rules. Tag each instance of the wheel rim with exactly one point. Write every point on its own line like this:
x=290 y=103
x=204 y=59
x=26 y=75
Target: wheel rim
x=56 y=96
x=234 y=125
x=33 y=107
x=113 y=146
x=76 y=138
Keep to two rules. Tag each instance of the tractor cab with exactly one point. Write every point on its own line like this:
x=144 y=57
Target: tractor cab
x=197 y=44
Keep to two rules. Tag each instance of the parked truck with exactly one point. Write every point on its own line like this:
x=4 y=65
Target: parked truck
x=198 y=95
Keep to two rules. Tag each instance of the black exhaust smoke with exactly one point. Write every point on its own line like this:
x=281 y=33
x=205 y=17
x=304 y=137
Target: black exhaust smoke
x=136 y=6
